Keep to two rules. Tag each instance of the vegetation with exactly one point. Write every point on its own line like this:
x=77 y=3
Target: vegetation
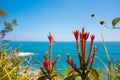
x=7 y=26
x=85 y=71
x=47 y=72
x=113 y=25
x=11 y=65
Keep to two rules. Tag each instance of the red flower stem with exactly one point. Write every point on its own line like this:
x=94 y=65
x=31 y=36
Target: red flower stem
x=50 y=54
x=93 y=57
x=55 y=61
x=78 y=50
x=90 y=52
x=77 y=46
x=81 y=41
x=84 y=54
x=79 y=56
x=91 y=63
x=82 y=48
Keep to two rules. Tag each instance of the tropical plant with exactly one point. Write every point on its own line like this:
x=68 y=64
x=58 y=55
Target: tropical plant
x=10 y=63
x=114 y=22
x=112 y=70
x=11 y=67
x=47 y=71
x=85 y=70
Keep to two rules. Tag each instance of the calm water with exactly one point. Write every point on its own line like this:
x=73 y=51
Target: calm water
x=63 y=48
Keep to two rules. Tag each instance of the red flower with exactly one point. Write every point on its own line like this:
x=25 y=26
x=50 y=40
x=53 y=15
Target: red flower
x=76 y=34
x=85 y=35
x=70 y=61
x=92 y=37
x=46 y=64
x=50 y=37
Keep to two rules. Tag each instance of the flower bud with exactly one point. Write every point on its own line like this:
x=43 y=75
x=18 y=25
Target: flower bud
x=92 y=15
x=102 y=22
x=76 y=34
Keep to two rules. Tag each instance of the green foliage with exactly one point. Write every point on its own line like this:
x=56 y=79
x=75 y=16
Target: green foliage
x=72 y=77
x=117 y=68
x=14 y=21
x=115 y=21
x=42 y=78
x=7 y=26
x=3 y=13
x=52 y=76
x=11 y=67
x=69 y=71
x=111 y=74
x=10 y=63
x=7 y=67
x=94 y=75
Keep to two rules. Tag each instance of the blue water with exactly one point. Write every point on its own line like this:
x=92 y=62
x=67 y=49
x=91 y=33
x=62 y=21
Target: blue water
x=63 y=48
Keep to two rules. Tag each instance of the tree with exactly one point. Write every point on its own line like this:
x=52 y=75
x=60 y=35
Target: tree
x=7 y=26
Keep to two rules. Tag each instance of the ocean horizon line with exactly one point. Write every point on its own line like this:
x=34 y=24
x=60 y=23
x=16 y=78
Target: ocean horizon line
x=56 y=41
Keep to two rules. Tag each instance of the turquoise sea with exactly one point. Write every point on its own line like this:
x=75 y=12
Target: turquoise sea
x=64 y=48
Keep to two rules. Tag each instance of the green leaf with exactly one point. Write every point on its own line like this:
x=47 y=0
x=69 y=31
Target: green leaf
x=94 y=74
x=3 y=13
x=72 y=77
x=106 y=50
x=118 y=77
x=14 y=21
x=42 y=78
x=117 y=68
x=112 y=74
x=57 y=74
x=7 y=73
x=115 y=21
x=8 y=26
x=103 y=63
x=68 y=71
x=3 y=32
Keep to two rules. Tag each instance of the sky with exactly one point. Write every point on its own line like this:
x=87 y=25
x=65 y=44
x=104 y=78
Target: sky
x=37 y=17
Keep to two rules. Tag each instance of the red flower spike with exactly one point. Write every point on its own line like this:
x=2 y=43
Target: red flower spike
x=92 y=37
x=76 y=34
x=50 y=37
x=70 y=61
x=46 y=64
x=86 y=35
x=81 y=36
